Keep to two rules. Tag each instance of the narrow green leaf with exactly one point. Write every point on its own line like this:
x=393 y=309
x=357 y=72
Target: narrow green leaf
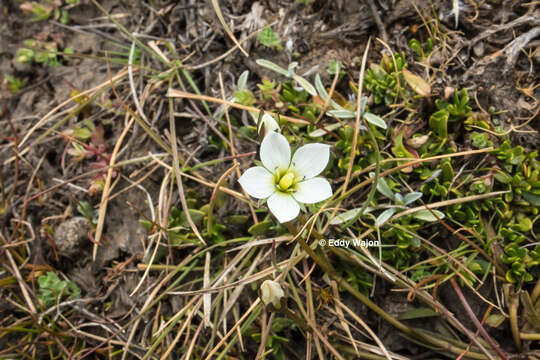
x=271 y=66
x=385 y=215
x=426 y=215
x=242 y=80
x=375 y=120
x=305 y=84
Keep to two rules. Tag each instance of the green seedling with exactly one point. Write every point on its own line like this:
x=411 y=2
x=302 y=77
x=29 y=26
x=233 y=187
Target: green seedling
x=52 y=289
x=422 y=52
x=269 y=38
x=14 y=84
x=336 y=67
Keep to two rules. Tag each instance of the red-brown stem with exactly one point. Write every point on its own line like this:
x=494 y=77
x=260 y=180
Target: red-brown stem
x=479 y=326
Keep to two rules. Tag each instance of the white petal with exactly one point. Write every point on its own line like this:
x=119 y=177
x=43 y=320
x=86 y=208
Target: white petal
x=313 y=190
x=269 y=123
x=271 y=292
x=257 y=182
x=275 y=152
x=283 y=206
x=310 y=160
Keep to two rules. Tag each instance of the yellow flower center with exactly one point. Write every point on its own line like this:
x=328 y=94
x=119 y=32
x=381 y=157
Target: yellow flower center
x=286 y=181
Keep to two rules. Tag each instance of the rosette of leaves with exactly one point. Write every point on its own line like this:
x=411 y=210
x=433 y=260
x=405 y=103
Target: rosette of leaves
x=269 y=38
x=42 y=52
x=520 y=174
x=455 y=111
x=520 y=261
x=52 y=289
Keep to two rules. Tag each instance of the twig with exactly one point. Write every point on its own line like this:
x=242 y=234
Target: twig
x=378 y=20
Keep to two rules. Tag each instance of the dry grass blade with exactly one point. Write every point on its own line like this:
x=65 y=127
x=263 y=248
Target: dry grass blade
x=207 y=298
x=357 y=121
x=219 y=14
x=365 y=326
x=186 y=95
x=178 y=175
x=107 y=189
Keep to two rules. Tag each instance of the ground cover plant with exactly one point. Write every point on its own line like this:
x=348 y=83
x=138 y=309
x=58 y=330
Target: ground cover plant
x=269 y=180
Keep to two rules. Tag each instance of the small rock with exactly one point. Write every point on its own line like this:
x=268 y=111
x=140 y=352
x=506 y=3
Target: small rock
x=478 y=49
x=70 y=235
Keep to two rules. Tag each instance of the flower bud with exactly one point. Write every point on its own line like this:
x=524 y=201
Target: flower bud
x=271 y=292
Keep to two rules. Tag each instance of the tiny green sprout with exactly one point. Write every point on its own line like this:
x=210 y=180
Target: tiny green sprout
x=244 y=97
x=39 y=11
x=52 y=289
x=268 y=38
x=14 y=84
x=25 y=56
x=336 y=66
x=422 y=52
x=267 y=89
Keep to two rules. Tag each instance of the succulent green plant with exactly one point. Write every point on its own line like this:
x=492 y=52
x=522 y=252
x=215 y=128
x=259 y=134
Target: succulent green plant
x=385 y=81
x=455 y=111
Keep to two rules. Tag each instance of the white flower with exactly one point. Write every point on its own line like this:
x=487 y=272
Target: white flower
x=266 y=125
x=271 y=292
x=285 y=182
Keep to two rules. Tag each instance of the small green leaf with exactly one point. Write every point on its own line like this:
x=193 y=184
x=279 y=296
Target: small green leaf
x=494 y=320
x=348 y=215
x=271 y=66
x=531 y=198
x=412 y=197
x=323 y=94
x=383 y=188
x=321 y=132
x=196 y=215
x=305 y=84
x=426 y=215
x=242 y=80
x=375 y=120
x=261 y=228
x=342 y=114
x=438 y=122
x=384 y=216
